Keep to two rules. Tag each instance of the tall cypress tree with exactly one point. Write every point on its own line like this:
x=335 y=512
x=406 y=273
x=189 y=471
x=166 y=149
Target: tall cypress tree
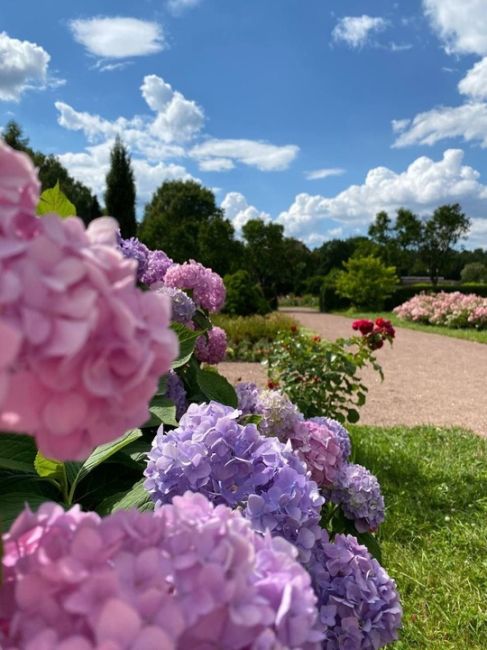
x=120 y=192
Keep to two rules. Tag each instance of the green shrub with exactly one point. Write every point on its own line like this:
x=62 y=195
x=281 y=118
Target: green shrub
x=366 y=281
x=308 y=300
x=474 y=272
x=244 y=297
x=321 y=376
x=313 y=285
x=250 y=337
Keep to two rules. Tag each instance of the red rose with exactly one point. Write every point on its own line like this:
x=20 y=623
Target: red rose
x=317 y=339
x=364 y=326
x=272 y=385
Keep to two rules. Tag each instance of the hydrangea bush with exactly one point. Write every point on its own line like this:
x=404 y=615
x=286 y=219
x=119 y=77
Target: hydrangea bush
x=147 y=503
x=449 y=309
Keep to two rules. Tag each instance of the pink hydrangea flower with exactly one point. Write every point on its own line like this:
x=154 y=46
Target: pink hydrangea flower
x=206 y=287
x=189 y=576
x=91 y=346
x=212 y=346
x=320 y=449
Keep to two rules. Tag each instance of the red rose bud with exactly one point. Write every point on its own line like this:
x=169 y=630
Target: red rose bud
x=294 y=329
x=317 y=339
x=272 y=385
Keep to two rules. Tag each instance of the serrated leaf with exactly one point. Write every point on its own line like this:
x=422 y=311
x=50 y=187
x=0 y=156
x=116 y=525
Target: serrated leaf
x=102 y=453
x=187 y=340
x=17 y=452
x=216 y=387
x=163 y=411
x=138 y=498
x=54 y=201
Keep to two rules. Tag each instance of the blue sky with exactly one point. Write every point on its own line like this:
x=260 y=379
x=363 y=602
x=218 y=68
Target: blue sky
x=314 y=113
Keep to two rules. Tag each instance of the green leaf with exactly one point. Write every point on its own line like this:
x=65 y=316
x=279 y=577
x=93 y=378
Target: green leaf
x=53 y=200
x=138 y=498
x=17 y=491
x=216 y=387
x=202 y=321
x=47 y=468
x=253 y=418
x=163 y=411
x=103 y=453
x=371 y=543
x=353 y=416
x=187 y=340
x=17 y=452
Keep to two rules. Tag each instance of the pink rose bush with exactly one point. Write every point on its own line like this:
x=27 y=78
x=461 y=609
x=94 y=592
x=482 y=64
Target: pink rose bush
x=454 y=309
x=87 y=347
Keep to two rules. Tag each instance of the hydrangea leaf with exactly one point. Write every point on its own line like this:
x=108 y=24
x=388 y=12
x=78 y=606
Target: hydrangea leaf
x=54 y=201
x=216 y=387
x=187 y=341
x=163 y=411
x=371 y=543
x=17 y=453
x=137 y=497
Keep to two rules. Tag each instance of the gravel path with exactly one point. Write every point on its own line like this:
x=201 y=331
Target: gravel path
x=429 y=379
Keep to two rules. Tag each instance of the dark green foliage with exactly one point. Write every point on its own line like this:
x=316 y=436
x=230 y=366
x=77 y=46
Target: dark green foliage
x=174 y=218
x=244 y=297
x=217 y=247
x=95 y=209
x=313 y=285
x=120 y=193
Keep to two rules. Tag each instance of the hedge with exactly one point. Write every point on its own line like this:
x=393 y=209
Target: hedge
x=331 y=301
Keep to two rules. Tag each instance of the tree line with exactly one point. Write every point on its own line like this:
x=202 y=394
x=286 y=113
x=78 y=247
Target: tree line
x=183 y=219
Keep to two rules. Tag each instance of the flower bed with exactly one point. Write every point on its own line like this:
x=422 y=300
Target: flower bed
x=455 y=310
x=222 y=518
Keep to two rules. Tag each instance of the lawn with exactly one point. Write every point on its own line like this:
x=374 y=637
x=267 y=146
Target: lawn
x=434 y=539
x=480 y=336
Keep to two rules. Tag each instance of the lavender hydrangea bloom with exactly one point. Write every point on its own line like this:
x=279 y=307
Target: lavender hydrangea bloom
x=280 y=417
x=248 y=396
x=208 y=290
x=176 y=392
x=135 y=249
x=358 y=493
x=359 y=606
x=189 y=576
x=339 y=431
x=212 y=346
x=233 y=464
x=157 y=265
x=183 y=308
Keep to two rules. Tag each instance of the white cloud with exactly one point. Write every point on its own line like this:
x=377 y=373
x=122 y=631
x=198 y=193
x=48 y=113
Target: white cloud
x=91 y=166
x=478 y=233
x=423 y=186
x=264 y=156
x=468 y=121
x=461 y=24
x=177 y=7
x=318 y=174
x=118 y=37
x=239 y=211
x=474 y=84
x=216 y=165
x=356 y=30
x=23 y=65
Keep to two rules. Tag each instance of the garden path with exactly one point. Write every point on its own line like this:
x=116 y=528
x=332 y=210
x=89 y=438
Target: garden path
x=429 y=378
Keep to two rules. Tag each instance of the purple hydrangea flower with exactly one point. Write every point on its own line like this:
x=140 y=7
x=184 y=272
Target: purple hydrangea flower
x=190 y=575
x=280 y=417
x=359 y=606
x=339 y=431
x=135 y=249
x=358 y=493
x=176 y=392
x=211 y=347
x=183 y=308
x=208 y=290
x=248 y=396
x=211 y=453
x=157 y=265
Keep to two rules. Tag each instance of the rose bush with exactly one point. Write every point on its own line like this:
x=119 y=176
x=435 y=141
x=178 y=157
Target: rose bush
x=224 y=519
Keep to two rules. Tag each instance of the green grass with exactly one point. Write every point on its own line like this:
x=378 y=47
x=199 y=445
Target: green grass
x=434 y=539
x=479 y=336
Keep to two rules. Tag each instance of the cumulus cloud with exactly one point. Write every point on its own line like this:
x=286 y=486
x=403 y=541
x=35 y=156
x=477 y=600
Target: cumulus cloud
x=216 y=165
x=23 y=65
x=318 y=174
x=118 y=37
x=468 y=121
x=421 y=187
x=266 y=157
x=461 y=24
x=474 y=84
x=355 y=31
x=177 y=7
x=91 y=166
x=239 y=211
